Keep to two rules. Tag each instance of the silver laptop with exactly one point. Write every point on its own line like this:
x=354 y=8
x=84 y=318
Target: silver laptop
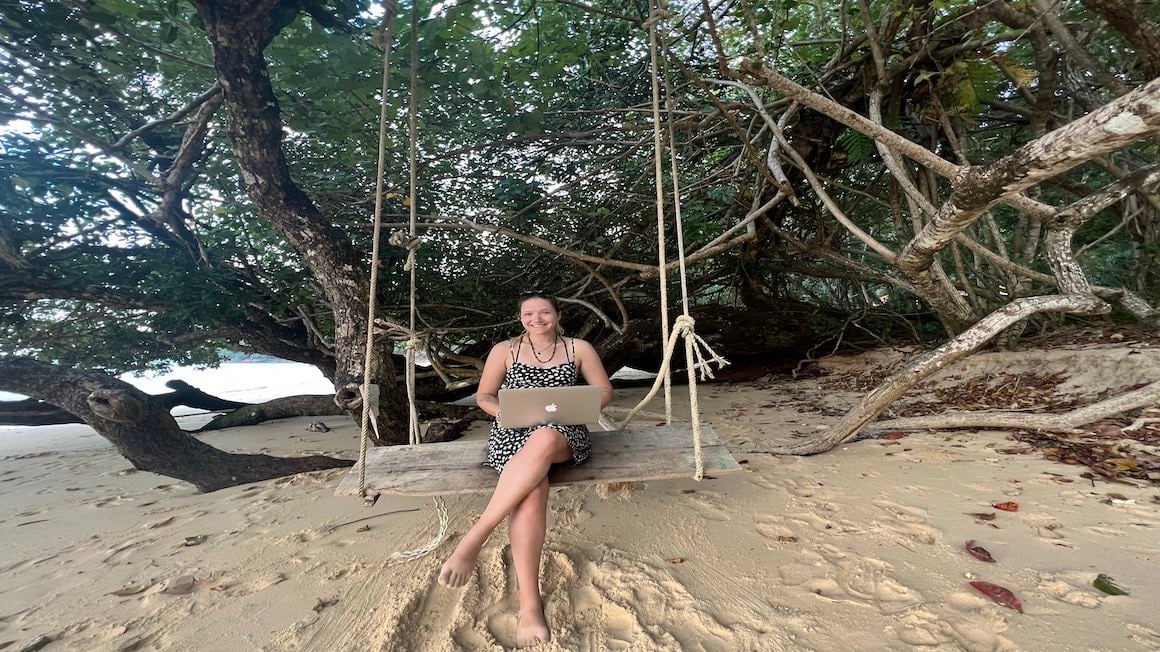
x=572 y=405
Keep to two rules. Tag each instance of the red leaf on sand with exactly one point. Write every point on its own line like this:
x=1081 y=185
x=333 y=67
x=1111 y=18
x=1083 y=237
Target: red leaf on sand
x=999 y=594
x=1008 y=506
x=893 y=435
x=979 y=552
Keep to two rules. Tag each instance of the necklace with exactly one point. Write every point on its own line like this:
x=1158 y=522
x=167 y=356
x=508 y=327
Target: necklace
x=536 y=354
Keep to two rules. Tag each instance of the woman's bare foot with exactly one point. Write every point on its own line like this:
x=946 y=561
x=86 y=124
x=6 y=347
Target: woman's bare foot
x=532 y=627
x=458 y=567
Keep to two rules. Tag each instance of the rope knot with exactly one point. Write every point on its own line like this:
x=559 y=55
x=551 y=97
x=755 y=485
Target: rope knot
x=655 y=17
x=410 y=243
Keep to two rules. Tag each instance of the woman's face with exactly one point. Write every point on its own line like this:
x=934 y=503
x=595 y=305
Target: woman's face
x=538 y=316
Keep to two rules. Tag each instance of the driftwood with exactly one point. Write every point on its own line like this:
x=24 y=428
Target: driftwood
x=447 y=422
x=31 y=412
x=279 y=408
x=927 y=364
x=1145 y=396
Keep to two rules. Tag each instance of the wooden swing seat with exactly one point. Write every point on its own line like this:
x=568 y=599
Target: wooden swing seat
x=459 y=467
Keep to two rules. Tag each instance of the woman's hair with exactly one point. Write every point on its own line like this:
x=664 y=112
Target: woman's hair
x=547 y=296
x=540 y=294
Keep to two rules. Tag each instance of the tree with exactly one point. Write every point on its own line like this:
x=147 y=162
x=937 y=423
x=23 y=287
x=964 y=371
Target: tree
x=142 y=430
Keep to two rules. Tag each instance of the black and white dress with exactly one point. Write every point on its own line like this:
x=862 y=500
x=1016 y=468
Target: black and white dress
x=504 y=443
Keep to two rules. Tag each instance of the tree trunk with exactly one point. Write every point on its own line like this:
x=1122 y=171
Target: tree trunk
x=927 y=364
x=142 y=429
x=239 y=33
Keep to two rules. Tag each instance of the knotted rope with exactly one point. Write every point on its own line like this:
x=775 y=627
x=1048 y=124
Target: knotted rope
x=412 y=242
x=696 y=348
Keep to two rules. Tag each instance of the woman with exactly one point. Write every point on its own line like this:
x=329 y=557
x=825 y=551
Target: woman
x=539 y=357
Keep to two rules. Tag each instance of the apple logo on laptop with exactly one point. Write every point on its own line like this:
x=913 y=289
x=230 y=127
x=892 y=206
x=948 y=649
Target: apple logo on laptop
x=551 y=407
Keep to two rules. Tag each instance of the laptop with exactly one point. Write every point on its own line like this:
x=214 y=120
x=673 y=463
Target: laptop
x=571 y=405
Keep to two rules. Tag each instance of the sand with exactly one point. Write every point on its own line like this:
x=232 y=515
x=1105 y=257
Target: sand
x=861 y=548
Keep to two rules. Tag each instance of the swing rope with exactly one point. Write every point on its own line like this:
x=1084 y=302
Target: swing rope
x=696 y=348
x=656 y=16
x=412 y=242
x=391 y=10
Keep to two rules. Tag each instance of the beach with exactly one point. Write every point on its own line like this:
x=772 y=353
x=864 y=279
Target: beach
x=860 y=548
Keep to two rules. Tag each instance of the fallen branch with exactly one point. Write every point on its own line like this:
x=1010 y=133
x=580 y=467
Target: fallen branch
x=279 y=408
x=927 y=364
x=1145 y=396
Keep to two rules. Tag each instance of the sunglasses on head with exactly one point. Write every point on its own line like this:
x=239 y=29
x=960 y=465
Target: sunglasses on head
x=528 y=294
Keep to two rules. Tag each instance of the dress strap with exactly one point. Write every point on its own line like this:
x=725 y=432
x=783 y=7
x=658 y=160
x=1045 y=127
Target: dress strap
x=516 y=351
x=570 y=358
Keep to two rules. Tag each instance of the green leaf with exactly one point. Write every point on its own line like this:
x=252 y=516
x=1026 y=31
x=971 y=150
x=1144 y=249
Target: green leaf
x=858 y=146
x=1108 y=585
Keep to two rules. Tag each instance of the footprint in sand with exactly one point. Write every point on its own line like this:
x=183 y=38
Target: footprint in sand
x=763 y=482
x=868 y=580
x=306 y=536
x=1105 y=531
x=569 y=512
x=804 y=489
x=126 y=549
x=348 y=570
x=920 y=628
x=254 y=586
x=903 y=513
x=1143 y=634
x=909 y=522
x=1074 y=587
x=1045 y=527
x=707 y=507
x=822 y=524
x=606 y=627
x=923 y=628
x=774 y=529
x=837 y=576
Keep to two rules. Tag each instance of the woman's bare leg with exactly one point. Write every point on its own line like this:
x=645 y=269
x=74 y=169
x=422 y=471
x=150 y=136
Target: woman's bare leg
x=527 y=526
x=523 y=473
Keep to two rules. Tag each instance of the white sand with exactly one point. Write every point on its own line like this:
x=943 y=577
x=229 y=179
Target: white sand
x=857 y=549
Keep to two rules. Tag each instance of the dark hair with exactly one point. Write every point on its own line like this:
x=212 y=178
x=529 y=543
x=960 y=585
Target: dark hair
x=539 y=294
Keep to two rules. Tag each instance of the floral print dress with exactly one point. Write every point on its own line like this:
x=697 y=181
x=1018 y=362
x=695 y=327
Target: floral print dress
x=504 y=443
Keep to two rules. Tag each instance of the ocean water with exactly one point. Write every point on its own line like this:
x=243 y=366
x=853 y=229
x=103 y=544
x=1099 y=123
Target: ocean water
x=247 y=382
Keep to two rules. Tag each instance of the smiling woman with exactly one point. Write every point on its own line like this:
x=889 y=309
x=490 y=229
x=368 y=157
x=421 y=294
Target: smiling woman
x=539 y=357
